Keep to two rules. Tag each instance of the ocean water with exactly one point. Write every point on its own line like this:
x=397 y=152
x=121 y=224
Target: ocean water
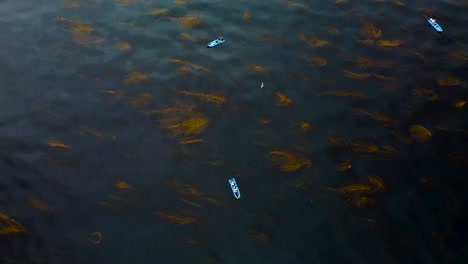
x=344 y=123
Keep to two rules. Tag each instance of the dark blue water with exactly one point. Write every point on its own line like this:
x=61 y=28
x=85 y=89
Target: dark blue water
x=119 y=130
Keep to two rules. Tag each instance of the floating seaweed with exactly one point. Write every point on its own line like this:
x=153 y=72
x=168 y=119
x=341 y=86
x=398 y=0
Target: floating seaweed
x=186 y=189
x=364 y=63
x=282 y=100
x=134 y=78
x=336 y=141
x=179 y=108
x=190 y=140
x=332 y=29
x=449 y=80
x=71 y=4
x=191 y=203
x=288 y=161
x=358 y=194
x=369 y=29
x=186 y=125
x=184 y=70
x=355 y=188
x=93 y=132
x=142 y=100
x=382 y=77
x=81 y=32
x=359 y=146
x=264 y=120
x=344 y=165
x=355 y=75
x=175 y=218
x=460 y=103
x=246 y=16
x=213 y=98
x=107 y=205
x=9 y=225
x=188 y=240
x=185 y=36
x=390 y=43
x=385 y=119
x=313 y=41
x=189 y=64
x=458 y=56
x=256 y=68
x=158 y=11
x=122 y=46
x=123 y=186
x=365 y=41
x=427 y=93
x=388 y=150
x=316 y=61
x=118 y=93
x=38 y=204
x=420 y=133
x=57 y=144
x=401 y=137
x=190 y=21
x=303 y=126
x=377 y=183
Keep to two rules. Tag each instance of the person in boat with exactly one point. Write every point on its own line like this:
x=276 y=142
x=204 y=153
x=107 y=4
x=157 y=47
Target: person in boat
x=235 y=190
x=220 y=38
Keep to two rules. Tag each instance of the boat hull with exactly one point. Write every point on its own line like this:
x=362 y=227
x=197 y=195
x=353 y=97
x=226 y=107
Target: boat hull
x=237 y=194
x=435 y=25
x=215 y=43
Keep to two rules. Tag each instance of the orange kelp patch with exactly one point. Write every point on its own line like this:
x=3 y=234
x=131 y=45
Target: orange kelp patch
x=123 y=186
x=312 y=41
x=174 y=218
x=256 y=68
x=122 y=46
x=142 y=100
x=188 y=65
x=213 y=98
x=282 y=100
x=57 y=144
x=158 y=11
x=390 y=43
x=288 y=161
x=81 y=32
x=449 y=80
x=359 y=146
x=344 y=165
x=460 y=103
x=420 y=133
x=370 y=29
x=246 y=16
x=186 y=125
x=190 y=21
x=355 y=75
x=9 y=225
x=38 y=204
x=134 y=78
